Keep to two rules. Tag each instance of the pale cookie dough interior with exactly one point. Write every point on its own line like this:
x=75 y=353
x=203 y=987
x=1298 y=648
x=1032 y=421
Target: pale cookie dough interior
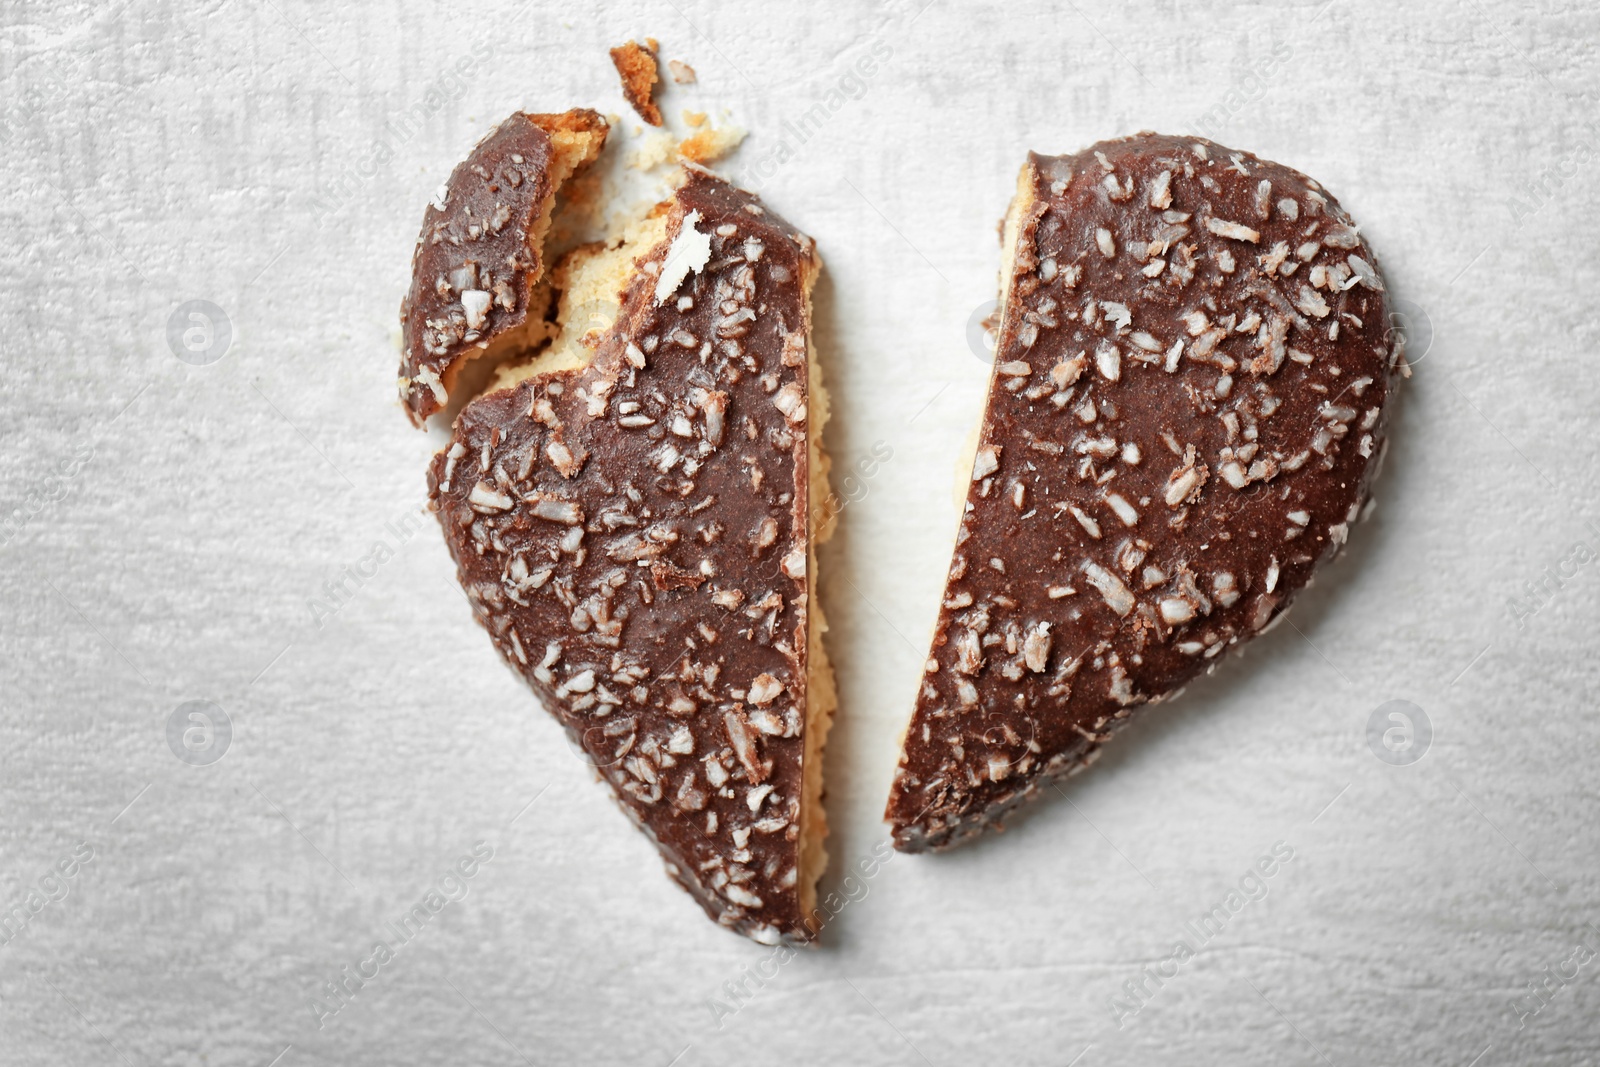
x=587 y=283
x=822 y=696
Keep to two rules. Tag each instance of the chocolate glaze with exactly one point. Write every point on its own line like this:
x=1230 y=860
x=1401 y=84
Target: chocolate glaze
x=1100 y=563
x=633 y=535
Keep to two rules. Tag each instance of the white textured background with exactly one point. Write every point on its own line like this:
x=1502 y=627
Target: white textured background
x=175 y=523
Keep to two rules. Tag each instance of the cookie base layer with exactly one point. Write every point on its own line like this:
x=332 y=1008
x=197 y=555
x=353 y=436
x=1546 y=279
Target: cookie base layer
x=822 y=694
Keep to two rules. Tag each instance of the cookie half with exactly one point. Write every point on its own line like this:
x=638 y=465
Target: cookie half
x=630 y=511
x=1187 y=409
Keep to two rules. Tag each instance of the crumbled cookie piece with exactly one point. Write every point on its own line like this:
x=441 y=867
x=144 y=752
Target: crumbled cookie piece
x=636 y=66
x=478 y=285
x=710 y=144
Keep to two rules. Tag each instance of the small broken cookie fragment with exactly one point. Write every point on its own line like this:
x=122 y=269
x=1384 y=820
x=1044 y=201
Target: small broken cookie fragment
x=478 y=267
x=630 y=514
x=682 y=73
x=636 y=66
x=710 y=143
x=1188 y=405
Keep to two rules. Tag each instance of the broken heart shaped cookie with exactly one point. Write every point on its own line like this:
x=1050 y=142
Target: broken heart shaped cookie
x=629 y=505
x=1187 y=408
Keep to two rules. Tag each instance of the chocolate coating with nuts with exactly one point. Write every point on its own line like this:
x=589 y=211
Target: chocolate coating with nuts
x=633 y=535
x=1187 y=408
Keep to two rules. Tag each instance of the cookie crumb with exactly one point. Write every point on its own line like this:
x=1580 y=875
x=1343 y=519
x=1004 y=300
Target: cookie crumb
x=636 y=66
x=710 y=144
